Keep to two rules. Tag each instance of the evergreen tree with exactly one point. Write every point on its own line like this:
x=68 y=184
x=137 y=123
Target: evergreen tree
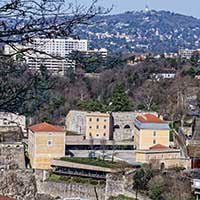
x=120 y=99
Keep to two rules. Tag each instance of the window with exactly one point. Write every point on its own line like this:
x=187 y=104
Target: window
x=97 y=119
x=90 y=119
x=90 y=127
x=127 y=126
x=97 y=126
x=154 y=133
x=154 y=141
x=90 y=134
x=97 y=135
x=105 y=120
x=50 y=142
x=104 y=126
x=116 y=126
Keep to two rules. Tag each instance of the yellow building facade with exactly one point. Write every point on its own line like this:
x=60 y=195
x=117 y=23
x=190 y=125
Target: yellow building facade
x=98 y=125
x=45 y=142
x=150 y=130
x=161 y=157
x=151 y=140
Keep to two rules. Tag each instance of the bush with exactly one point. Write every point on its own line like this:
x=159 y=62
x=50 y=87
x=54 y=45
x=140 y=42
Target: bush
x=156 y=187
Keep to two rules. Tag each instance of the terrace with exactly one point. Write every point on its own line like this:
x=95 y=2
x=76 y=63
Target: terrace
x=86 y=167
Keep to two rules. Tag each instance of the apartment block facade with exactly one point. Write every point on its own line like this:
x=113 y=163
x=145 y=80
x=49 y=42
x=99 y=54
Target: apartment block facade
x=55 y=53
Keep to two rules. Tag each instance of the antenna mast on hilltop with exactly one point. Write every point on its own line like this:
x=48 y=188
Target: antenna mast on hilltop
x=146 y=8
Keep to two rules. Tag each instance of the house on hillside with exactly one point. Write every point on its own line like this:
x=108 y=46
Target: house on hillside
x=164 y=73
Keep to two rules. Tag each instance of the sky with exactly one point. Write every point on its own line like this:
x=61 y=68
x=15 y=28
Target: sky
x=187 y=7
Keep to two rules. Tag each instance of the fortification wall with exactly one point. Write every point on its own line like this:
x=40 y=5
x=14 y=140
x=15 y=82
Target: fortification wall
x=12 y=156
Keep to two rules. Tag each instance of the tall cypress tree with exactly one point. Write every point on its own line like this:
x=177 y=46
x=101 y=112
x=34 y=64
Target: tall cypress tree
x=120 y=99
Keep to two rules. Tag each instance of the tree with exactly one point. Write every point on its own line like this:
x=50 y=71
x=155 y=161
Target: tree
x=91 y=105
x=194 y=60
x=20 y=22
x=113 y=149
x=141 y=179
x=147 y=95
x=103 y=143
x=120 y=99
x=156 y=187
x=41 y=18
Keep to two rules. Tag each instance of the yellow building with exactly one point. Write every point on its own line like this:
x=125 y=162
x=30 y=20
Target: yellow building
x=150 y=130
x=45 y=142
x=160 y=157
x=98 y=125
x=151 y=140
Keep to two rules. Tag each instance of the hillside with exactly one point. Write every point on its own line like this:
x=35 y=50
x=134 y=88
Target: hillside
x=152 y=31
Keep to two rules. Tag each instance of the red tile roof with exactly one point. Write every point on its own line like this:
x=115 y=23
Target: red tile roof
x=46 y=127
x=158 y=146
x=6 y=198
x=149 y=118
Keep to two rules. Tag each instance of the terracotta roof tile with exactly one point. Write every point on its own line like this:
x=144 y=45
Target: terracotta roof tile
x=6 y=198
x=46 y=127
x=149 y=118
x=158 y=146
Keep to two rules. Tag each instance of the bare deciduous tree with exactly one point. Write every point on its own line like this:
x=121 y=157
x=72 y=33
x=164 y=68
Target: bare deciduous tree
x=20 y=22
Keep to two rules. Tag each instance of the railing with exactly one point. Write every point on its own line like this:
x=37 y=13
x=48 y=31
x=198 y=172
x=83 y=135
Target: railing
x=79 y=173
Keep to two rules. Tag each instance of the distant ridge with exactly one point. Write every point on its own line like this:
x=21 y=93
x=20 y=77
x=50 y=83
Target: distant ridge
x=143 y=31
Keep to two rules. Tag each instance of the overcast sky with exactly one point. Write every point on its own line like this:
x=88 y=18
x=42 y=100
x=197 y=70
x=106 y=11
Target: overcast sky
x=187 y=7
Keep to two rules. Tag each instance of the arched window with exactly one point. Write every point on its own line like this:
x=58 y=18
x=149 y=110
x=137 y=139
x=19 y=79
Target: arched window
x=126 y=126
x=116 y=126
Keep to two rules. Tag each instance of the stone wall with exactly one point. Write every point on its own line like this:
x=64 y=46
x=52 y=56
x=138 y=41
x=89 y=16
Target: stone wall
x=12 y=156
x=115 y=185
x=71 y=189
x=20 y=184
x=67 y=189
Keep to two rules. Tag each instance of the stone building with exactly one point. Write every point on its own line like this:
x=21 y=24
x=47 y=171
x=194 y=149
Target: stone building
x=10 y=134
x=76 y=121
x=8 y=119
x=123 y=124
x=123 y=127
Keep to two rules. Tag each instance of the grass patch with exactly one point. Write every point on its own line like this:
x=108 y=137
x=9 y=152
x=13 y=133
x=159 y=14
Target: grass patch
x=76 y=179
x=68 y=133
x=96 y=162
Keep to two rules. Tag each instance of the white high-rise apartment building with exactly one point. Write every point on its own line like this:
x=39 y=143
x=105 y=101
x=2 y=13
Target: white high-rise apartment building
x=60 y=47
x=56 y=57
